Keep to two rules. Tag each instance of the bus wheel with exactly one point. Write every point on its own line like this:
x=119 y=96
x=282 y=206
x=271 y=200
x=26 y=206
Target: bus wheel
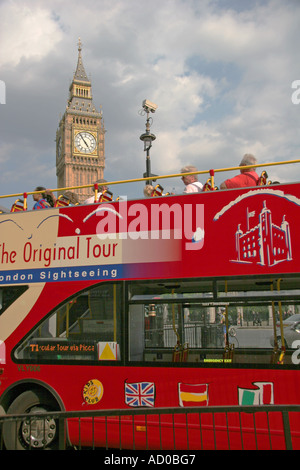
x=31 y=433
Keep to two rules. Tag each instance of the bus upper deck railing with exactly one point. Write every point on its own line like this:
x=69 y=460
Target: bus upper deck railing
x=253 y=427
x=209 y=184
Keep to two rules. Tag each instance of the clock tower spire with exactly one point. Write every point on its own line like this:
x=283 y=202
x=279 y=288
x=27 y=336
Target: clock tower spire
x=80 y=156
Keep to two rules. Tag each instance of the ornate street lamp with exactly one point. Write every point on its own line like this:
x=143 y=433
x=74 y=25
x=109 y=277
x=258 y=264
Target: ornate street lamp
x=147 y=137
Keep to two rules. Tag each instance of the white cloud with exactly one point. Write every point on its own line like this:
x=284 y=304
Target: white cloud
x=26 y=32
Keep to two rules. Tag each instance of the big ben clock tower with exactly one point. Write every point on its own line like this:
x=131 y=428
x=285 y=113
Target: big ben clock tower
x=80 y=156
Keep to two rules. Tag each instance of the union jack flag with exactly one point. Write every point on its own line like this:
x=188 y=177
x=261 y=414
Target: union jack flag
x=140 y=394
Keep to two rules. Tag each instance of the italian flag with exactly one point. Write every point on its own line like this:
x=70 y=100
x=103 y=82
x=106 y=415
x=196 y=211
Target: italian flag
x=262 y=394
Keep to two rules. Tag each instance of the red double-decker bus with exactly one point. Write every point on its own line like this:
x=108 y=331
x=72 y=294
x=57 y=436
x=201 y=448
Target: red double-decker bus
x=172 y=301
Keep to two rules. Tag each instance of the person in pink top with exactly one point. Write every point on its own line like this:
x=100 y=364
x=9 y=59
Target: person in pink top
x=247 y=176
x=192 y=185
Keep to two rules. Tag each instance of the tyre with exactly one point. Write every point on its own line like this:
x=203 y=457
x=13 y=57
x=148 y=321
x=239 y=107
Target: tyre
x=279 y=342
x=31 y=433
x=232 y=331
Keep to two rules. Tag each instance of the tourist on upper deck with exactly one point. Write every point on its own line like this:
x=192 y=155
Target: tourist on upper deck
x=247 y=177
x=191 y=182
x=72 y=197
x=148 y=190
x=101 y=187
x=43 y=200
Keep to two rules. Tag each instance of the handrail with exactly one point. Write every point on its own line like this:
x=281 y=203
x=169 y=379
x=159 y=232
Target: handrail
x=157 y=177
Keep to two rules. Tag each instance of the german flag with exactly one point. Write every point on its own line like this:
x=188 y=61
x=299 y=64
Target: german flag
x=193 y=394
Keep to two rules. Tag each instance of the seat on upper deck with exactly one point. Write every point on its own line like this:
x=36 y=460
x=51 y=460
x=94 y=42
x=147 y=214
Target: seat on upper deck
x=18 y=206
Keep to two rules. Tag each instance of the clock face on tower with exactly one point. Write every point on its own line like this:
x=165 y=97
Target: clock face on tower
x=85 y=142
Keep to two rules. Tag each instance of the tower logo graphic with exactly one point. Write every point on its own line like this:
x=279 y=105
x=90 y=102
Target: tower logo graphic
x=266 y=243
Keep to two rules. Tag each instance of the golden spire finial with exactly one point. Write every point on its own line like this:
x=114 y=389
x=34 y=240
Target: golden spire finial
x=79 y=45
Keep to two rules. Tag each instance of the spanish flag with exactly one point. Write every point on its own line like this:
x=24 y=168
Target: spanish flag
x=193 y=394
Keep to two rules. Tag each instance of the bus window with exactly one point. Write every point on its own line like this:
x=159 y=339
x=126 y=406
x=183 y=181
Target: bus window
x=86 y=327
x=188 y=323
x=9 y=294
x=173 y=332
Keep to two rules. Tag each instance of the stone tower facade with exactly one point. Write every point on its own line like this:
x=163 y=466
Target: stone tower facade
x=80 y=149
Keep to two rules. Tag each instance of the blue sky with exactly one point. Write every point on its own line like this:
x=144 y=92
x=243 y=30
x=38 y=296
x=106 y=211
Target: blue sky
x=220 y=71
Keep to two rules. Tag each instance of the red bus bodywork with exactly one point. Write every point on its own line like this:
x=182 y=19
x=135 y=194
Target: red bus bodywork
x=240 y=234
